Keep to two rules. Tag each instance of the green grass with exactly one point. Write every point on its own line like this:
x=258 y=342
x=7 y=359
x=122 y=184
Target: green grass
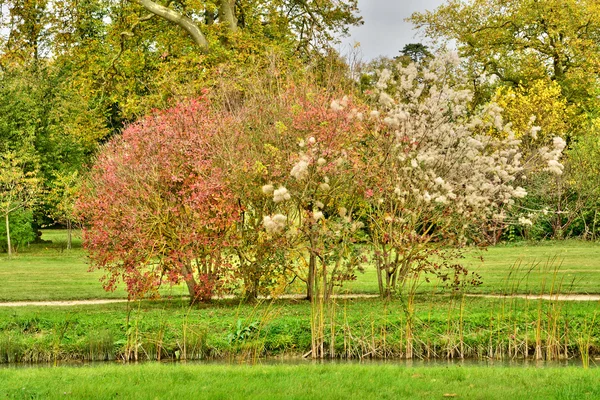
x=50 y=272
x=350 y=381
x=437 y=322
x=520 y=268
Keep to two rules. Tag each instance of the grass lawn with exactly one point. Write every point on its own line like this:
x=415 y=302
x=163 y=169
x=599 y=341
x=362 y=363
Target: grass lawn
x=434 y=323
x=348 y=381
x=50 y=272
x=521 y=268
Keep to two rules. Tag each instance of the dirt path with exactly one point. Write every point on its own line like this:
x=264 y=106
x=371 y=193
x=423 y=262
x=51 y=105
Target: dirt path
x=556 y=297
x=66 y=303
x=61 y=302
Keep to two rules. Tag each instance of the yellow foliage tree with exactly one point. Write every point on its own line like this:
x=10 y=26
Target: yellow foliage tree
x=539 y=104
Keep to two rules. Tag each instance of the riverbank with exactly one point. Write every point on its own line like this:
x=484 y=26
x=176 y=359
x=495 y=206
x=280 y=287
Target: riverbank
x=424 y=326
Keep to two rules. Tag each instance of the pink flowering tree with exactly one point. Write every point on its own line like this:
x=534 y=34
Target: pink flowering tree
x=439 y=175
x=156 y=206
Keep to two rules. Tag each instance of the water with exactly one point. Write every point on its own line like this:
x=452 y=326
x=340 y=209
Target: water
x=485 y=363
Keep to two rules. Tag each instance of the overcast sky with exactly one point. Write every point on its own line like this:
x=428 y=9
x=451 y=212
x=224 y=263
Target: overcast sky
x=384 y=31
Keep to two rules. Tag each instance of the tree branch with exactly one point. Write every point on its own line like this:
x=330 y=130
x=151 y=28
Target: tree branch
x=181 y=20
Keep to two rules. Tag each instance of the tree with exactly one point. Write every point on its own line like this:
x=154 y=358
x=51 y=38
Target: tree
x=19 y=186
x=439 y=177
x=524 y=41
x=62 y=197
x=156 y=206
x=540 y=104
x=417 y=52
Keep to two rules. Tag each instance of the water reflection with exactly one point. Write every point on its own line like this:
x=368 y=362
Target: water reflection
x=484 y=363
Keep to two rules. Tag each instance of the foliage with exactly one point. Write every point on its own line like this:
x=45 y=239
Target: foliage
x=523 y=41
x=157 y=207
x=62 y=196
x=540 y=104
x=315 y=193
x=21 y=231
x=565 y=205
x=19 y=186
x=416 y=52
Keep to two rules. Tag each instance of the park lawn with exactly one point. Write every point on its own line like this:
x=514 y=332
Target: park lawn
x=305 y=381
x=569 y=266
x=50 y=272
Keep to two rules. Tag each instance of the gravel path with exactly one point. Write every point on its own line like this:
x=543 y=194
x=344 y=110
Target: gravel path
x=66 y=303
x=559 y=297
x=61 y=302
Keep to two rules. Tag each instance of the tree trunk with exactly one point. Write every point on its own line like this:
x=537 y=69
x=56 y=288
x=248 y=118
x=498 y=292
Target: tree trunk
x=8 y=236
x=379 y=268
x=227 y=14
x=310 y=282
x=190 y=283
x=177 y=18
x=69 y=232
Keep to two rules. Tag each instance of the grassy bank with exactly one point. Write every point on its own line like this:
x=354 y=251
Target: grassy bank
x=440 y=326
x=150 y=381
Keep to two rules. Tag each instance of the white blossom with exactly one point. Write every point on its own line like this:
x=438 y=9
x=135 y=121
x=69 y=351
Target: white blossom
x=519 y=192
x=336 y=106
x=267 y=189
x=426 y=197
x=300 y=170
x=274 y=224
x=525 y=221
x=281 y=194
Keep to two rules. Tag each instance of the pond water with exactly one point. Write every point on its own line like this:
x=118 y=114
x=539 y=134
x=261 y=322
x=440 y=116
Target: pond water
x=515 y=363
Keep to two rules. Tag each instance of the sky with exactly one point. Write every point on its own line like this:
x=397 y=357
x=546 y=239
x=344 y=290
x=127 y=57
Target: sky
x=384 y=31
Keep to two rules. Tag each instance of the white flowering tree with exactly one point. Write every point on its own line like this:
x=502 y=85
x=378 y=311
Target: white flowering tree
x=438 y=175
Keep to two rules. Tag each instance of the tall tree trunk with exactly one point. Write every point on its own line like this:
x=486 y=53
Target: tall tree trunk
x=8 y=235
